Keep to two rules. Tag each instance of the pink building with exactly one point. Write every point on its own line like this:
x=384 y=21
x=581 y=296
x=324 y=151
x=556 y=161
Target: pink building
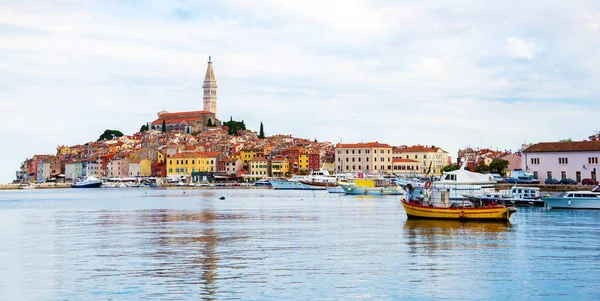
x=558 y=160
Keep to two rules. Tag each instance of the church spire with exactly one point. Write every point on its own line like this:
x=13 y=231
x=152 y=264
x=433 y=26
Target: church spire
x=210 y=74
x=210 y=89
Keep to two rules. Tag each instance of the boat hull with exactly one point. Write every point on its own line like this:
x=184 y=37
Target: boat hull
x=359 y=190
x=294 y=185
x=572 y=203
x=88 y=185
x=499 y=213
x=335 y=189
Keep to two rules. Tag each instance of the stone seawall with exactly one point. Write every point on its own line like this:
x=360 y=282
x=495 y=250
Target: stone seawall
x=36 y=186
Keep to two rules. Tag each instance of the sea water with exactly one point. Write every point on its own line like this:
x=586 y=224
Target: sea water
x=262 y=244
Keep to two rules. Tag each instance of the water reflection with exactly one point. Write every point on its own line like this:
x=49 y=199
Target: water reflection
x=433 y=235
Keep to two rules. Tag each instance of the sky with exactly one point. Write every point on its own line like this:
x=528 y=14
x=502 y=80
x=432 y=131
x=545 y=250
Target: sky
x=446 y=73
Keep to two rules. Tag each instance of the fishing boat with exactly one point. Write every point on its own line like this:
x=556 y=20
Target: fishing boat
x=575 y=200
x=378 y=186
x=89 y=182
x=435 y=204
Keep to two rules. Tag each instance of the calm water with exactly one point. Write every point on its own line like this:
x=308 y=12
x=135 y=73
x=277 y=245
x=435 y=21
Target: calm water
x=282 y=245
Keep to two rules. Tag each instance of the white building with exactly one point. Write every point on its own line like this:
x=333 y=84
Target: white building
x=69 y=170
x=560 y=160
x=134 y=169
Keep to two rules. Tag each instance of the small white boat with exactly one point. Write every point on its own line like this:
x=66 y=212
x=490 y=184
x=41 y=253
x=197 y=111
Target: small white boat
x=575 y=200
x=27 y=186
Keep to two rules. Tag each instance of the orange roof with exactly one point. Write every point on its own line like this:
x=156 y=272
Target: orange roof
x=174 y=120
x=196 y=155
x=185 y=114
x=363 y=145
x=401 y=160
x=279 y=159
x=259 y=160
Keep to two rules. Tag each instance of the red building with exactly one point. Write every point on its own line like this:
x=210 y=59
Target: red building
x=314 y=161
x=292 y=155
x=159 y=169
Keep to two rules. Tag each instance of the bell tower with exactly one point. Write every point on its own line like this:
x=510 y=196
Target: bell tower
x=210 y=89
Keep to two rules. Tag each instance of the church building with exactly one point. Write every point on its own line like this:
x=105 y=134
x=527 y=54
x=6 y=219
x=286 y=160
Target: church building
x=194 y=121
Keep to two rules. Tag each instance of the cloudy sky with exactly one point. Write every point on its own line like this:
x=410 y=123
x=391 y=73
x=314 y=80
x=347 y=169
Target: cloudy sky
x=448 y=73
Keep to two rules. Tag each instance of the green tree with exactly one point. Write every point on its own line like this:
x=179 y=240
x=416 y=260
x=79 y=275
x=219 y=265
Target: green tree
x=450 y=167
x=261 y=133
x=164 y=127
x=187 y=130
x=209 y=123
x=243 y=126
x=153 y=127
x=144 y=128
x=481 y=168
x=499 y=166
x=110 y=135
x=566 y=140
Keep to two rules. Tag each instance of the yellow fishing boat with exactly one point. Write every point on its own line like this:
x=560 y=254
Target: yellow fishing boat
x=491 y=213
x=427 y=206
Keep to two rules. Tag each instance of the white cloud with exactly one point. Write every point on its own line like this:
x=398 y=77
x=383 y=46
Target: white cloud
x=429 y=72
x=519 y=48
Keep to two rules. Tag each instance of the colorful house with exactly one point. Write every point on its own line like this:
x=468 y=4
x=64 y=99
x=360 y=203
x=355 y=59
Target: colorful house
x=280 y=166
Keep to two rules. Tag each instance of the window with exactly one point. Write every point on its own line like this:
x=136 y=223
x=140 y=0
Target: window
x=352 y=159
x=416 y=156
x=359 y=151
x=367 y=167
x=563 y=174
x=186 y=161
x=353 y=152
x=535 y=160
x=346 y=152
x=535 y=174
x=563 y=161
x=549 y=174
x=424 y=156
x=593 y=160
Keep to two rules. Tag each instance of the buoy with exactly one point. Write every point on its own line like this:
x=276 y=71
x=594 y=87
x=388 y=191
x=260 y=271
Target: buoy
x=222 y=198
x=184 y=192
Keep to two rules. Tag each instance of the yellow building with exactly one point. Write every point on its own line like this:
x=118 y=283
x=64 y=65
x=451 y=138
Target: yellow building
x=160 y=157
x=259 y=168
x=303 y=162
x=184 y=164
x=426 y=156
x=280 y=167
x=247 y=155
x=145 y=168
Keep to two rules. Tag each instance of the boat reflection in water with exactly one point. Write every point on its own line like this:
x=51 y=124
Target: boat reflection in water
x=447 y=234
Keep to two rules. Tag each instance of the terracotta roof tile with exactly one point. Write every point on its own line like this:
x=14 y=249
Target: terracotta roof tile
x=363 y=145
x=576 y=146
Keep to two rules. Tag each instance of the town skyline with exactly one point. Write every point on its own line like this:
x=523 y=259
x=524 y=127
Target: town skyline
x=347 y=74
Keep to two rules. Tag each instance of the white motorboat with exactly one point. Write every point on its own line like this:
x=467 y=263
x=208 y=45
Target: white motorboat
x=575 y=200
x=89 y=182
x=318 y=180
